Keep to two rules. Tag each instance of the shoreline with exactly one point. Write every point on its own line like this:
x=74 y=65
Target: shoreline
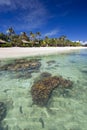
x=18 y=52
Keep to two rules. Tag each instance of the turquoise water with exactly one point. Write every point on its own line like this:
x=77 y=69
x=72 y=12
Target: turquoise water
x=65 y=110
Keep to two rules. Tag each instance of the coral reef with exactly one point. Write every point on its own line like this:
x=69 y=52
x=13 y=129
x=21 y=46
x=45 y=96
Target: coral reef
x=42 y=89
x=22 y=64
x=22 y=68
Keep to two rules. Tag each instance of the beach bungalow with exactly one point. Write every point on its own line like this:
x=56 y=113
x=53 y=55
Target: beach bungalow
x=25 y=41
x=2 y=41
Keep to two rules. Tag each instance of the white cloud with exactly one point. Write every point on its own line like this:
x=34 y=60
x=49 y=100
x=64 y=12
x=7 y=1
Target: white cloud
x=31 y=14
x=5 y=2
x=23 y=4
x=28 y=4
x=52 y=33
x=36 y=14
x=35 y=18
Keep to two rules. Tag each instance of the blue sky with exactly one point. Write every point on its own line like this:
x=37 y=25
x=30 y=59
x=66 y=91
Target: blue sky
x=52 y=18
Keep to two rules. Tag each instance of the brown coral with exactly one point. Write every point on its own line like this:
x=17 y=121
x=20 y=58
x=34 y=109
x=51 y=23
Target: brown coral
x=23 y=68
x=42 y=89
x=22 y=64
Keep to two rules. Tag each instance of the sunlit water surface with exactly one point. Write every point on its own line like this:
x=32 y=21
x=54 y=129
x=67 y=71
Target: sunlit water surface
x=67 y=111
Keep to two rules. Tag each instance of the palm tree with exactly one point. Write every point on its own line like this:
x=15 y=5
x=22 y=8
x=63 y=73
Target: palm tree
x=11 y=31
x=62 y=40
x=3 y=37
x=24 y=36
x=38 y=34
x=47 y=40
x=32 y=36
x=43 y=43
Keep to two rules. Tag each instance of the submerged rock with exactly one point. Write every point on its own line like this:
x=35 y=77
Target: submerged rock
x=2 y=111
x=51 y=62
x=45 y=74
x=41 y=90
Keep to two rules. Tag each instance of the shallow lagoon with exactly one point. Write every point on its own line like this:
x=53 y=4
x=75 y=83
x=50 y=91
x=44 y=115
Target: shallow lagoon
x=65 y=110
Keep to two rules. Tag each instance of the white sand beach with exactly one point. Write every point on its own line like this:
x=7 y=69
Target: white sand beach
x=14 y=52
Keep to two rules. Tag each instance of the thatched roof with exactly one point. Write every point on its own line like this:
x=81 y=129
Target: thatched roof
x=2 y=41
x=24 y=41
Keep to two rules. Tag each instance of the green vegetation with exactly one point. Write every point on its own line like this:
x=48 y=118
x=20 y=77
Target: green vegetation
x=11 y=39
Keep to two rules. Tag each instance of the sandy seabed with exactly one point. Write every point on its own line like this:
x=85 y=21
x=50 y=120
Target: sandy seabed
x=14 y=52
